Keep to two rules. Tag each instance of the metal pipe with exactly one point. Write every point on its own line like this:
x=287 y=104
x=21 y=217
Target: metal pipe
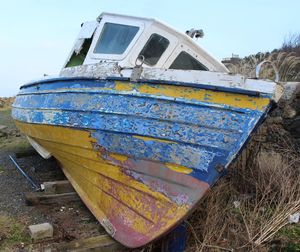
x=34 y=185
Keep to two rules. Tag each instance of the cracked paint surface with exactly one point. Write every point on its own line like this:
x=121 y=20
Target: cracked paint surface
x=139 y=155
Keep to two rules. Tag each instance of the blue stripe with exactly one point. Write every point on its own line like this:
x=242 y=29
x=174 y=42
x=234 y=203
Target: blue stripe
x=65 y=84
x=140 y=107
x=179 y=132
x=197 y=158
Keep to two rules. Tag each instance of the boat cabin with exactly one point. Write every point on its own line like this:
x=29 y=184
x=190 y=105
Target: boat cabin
x=132 y=41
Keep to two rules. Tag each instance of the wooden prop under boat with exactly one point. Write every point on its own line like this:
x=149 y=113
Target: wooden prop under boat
x=141 y=145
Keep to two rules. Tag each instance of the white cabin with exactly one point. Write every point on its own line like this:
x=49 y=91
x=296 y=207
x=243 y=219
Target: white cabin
x=129 y=40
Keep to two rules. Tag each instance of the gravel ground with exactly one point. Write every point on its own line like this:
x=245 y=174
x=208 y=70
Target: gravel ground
x=71 y=220
x=14 y=185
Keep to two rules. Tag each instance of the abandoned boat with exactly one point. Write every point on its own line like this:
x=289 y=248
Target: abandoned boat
x=143 y=122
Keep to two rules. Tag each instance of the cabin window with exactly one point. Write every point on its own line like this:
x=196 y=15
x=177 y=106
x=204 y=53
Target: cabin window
x=154 y=48
x=115 y=38
x=77 y=59
x=185 y=61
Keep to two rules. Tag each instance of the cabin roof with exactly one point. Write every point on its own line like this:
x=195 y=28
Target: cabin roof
x=124 y=16
x=181 y=51
x=179 y=35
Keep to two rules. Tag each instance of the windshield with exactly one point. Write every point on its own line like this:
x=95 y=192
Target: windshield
x=115 y=38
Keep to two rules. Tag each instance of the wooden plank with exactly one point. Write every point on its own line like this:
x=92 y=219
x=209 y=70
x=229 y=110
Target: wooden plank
x=56 y=187
x=39 y=198
x=101 y=243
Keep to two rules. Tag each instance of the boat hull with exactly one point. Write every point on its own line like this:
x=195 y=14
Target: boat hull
x=140 y=155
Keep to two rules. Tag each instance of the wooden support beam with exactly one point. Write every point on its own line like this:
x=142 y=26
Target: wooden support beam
x=40 y=198
x=55 y=187
x=101 y=243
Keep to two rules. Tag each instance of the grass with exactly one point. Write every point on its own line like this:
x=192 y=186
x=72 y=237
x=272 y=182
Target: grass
x=5 y=118
x=13 y=233
x=290 y=235
x=11 y=142
x=290 y=232
x=248 y=210
x=14 y=143
x=285 y=59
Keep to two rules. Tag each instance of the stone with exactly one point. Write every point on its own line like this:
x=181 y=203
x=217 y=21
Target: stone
x=289 y=112
x=294 y=127
x=41 y=231
x=274 y=120
x=3 y=134
x=291 y=89
x=3 y=127
x=270 y=159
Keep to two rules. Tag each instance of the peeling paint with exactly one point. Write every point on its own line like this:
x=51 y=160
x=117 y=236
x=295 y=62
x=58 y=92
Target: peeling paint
x=140 y=155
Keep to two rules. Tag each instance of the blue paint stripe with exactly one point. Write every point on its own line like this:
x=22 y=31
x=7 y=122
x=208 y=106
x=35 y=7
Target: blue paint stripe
x=192 y=156
x=184 y=101
x=197 y=158
x=103 y=90
x=65 y=84
x=56 y=79
x=140 y=107
x=179 y=132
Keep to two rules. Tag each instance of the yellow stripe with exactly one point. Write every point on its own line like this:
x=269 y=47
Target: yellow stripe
x=190 y=93
x=179 y=168
x=153 y=139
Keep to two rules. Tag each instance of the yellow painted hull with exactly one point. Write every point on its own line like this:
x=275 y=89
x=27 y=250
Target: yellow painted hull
x=109 y=193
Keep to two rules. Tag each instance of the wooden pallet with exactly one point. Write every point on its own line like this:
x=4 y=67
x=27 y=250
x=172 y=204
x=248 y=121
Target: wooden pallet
x=101 y=243
x=55 y=192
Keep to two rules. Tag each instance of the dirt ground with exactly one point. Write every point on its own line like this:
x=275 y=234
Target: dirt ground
x=70 y=222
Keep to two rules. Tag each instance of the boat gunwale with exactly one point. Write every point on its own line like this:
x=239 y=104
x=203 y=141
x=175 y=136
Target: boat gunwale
x=150 y=81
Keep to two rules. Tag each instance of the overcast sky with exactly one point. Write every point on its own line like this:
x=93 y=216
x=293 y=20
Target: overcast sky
x=37 y=35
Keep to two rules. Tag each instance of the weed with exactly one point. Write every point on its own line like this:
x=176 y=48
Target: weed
x=291 y=232
x=286 y=60
x=6 y=119
x=12 y=232
x=264 y=182
x=291 y=247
